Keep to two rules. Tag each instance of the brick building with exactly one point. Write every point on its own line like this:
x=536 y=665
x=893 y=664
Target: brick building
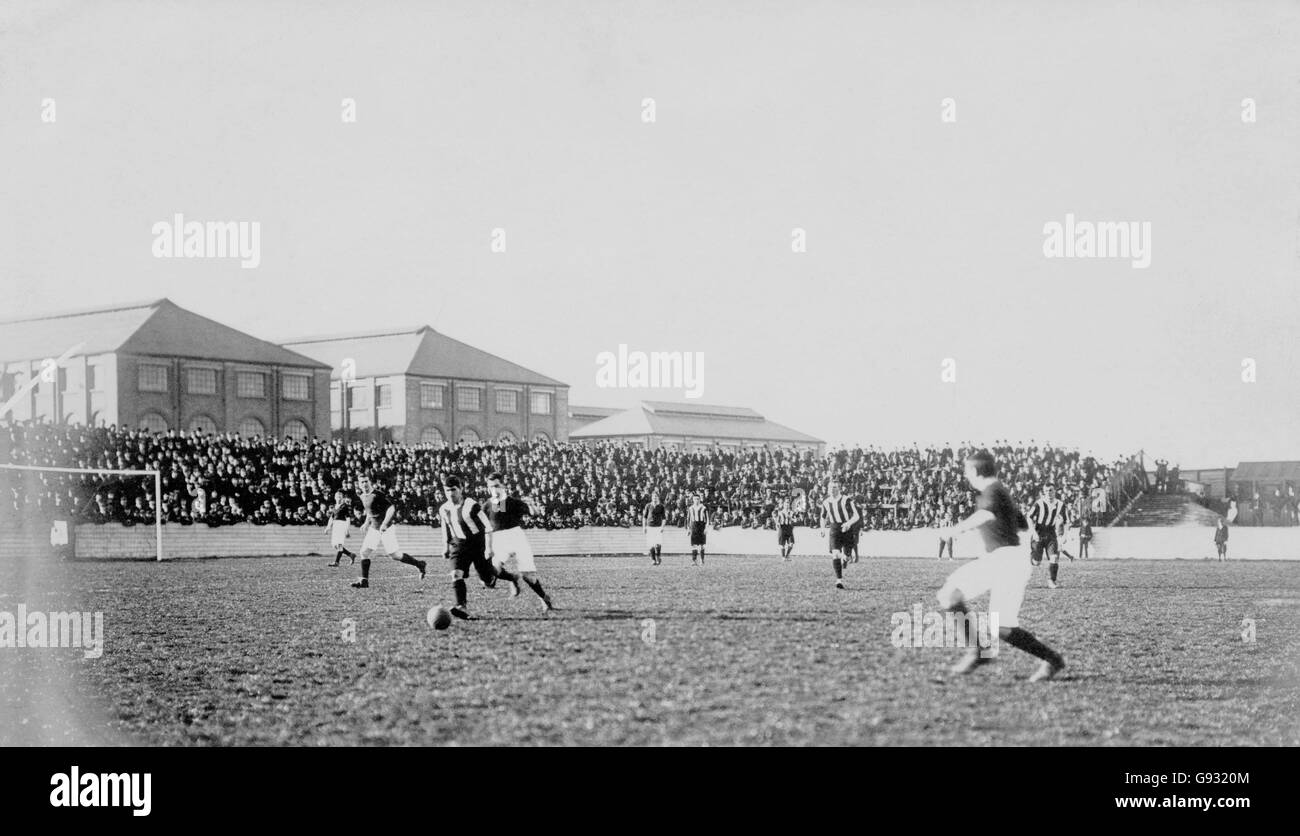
x=418 y=386
x=158 y=366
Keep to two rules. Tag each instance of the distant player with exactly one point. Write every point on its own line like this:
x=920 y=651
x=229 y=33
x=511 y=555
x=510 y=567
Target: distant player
x=652 y=521
x=947 y=521
x=466 y=533
x=1085 y=537
x=1046 y=516
x=339 y=523
x=697 y=523
x=1002 y=572
x=506 y=513
x=839 y=513
x=855 y=533
x=784 y=519
x=1221 y=538
x=378 y=532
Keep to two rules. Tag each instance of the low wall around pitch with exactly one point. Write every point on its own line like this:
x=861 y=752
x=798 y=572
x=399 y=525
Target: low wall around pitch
x=112 y=541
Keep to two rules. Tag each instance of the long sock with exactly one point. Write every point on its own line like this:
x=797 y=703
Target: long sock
x=838 y=565
x=535 y=585
x=1051 y=570
x=365 y=568
x=1025 y=640
x=506 y=575
x=344 y=550
x=701 y=557
x=407 y=559
x=459 y=585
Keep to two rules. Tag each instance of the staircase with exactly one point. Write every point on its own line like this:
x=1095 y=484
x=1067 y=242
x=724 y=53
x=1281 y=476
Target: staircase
x=1166 y=509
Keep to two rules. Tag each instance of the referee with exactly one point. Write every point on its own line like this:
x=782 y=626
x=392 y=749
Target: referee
x=1048 y=512
x=839 y=515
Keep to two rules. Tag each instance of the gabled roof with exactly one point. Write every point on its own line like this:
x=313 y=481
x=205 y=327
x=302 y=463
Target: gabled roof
x=592 y=411
x=1267 y=472
x=692 y=421
x=416 y=351
x=158 y=327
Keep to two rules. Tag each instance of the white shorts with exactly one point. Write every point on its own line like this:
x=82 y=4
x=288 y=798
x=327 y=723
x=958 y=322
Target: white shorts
x=654 y=537
x=1003 y=573
x=338 y=532
x=386 y=541
x=512 y=541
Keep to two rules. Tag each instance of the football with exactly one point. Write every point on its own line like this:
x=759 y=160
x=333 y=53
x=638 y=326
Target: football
x=439 y=618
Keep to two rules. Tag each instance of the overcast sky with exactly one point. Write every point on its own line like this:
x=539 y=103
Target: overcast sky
x=924 y=237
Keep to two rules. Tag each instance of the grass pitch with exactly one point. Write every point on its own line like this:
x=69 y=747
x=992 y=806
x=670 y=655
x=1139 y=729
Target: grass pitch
x=744 y=651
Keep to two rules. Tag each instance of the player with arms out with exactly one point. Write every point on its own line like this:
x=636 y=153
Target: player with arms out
x=652 y=521
x=506 y=513
x=697 y=523
x=839 y=515
x=378 y=532
x=1002 y=572
x=339 y=523
x=467 y=533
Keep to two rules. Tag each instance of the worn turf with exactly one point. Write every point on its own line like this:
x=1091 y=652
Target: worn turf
x=746 y=650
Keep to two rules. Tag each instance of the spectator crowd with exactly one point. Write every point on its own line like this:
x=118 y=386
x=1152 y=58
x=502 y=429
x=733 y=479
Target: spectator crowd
x=223 y=479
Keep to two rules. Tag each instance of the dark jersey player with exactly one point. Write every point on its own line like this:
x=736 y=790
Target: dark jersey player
x=339 y=523
x=467 y=534
x=652 y=521
x=1002 y=572
x=378 y=532
x=506 y=513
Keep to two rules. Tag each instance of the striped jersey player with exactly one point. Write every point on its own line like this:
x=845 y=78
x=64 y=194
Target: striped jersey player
x=697 y=523
x=784 y=519
x=467 y=536
x=1048 y=518
x=839 y=515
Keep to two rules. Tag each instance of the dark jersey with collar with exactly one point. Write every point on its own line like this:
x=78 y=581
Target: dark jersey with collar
x=654 y=514
x=507 y=513
x=376 y=507
x=1004 y=528
x=343 y=510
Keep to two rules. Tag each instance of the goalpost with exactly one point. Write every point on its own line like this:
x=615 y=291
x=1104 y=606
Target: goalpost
x=157 y=490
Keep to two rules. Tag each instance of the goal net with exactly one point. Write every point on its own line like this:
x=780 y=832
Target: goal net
x=58 y=499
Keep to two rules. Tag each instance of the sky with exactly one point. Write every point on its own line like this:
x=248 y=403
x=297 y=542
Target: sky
x=924 y=236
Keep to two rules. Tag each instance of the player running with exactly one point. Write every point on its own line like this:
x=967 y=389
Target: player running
x=652 y=521
x=1002 y=572
x=339 y=523
x=839 y=514
x=467 y=534
x=378 y=532
x=697 y=522
x=505 y=512
x=1046 y=515
x=784 y=519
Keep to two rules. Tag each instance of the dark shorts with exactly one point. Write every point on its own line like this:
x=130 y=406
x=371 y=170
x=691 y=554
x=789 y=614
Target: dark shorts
x=698 y=535
x=1045 y=544
x=839 y=539
x=473 y=553
x=784 y=535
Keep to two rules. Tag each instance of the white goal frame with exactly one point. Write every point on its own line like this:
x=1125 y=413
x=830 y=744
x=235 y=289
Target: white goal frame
x=157 y=489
